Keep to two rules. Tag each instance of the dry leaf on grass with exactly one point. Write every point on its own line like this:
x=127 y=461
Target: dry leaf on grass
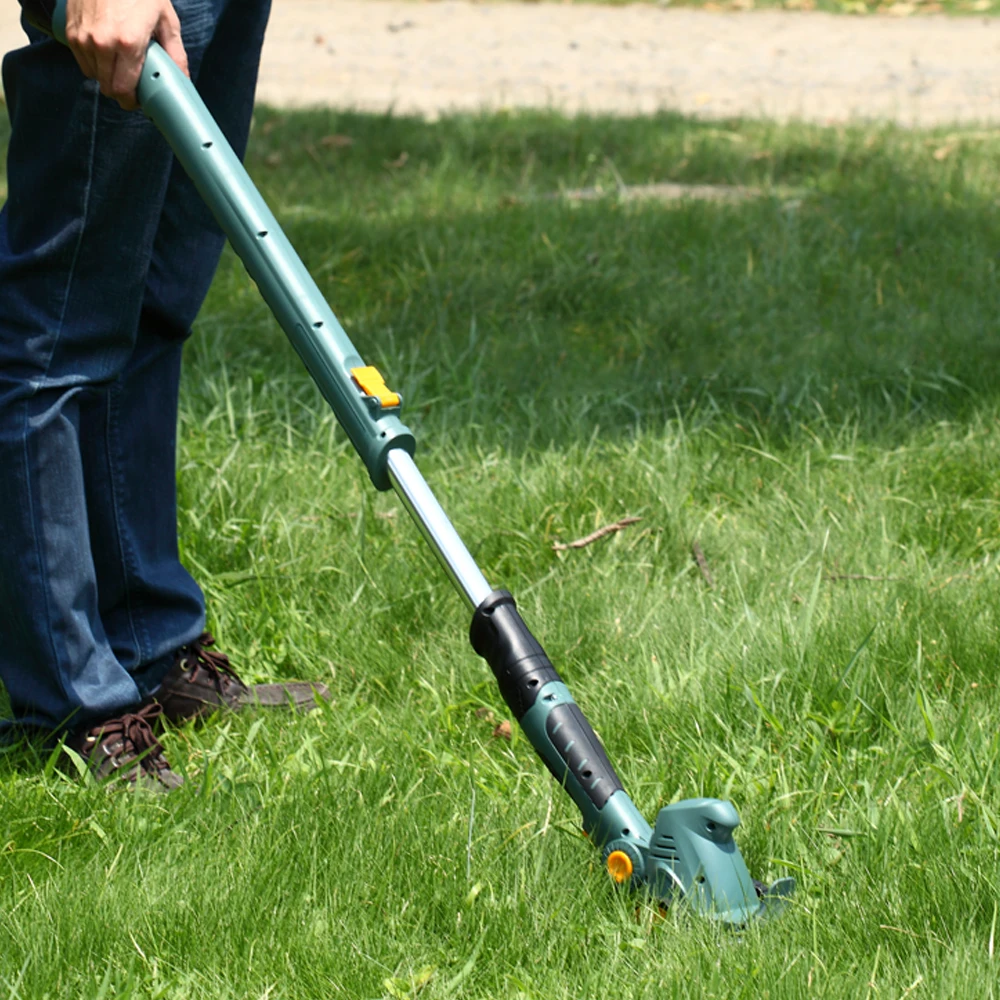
x=503 y=731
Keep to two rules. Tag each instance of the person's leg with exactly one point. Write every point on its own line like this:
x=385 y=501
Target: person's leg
x=149 y=604
x=74 y=165
x=87 y=187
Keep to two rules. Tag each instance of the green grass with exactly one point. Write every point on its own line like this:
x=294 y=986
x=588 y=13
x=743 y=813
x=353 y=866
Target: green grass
x=805 y=383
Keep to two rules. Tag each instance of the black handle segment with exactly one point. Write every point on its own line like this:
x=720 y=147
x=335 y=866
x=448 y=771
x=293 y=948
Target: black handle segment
x=561 y=735
x=500 y=637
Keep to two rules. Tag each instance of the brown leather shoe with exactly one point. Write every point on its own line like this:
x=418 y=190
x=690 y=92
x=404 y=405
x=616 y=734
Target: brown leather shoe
x=202 y=681
x=126 y=747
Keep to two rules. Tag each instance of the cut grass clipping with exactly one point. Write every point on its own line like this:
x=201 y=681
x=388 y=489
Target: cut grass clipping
x=796 y=392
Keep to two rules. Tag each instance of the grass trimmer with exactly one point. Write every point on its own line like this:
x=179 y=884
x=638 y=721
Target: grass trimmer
x=690 y=854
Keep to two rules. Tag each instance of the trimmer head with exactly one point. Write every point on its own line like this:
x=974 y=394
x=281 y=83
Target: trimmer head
x=693 y=853
x=692 y=857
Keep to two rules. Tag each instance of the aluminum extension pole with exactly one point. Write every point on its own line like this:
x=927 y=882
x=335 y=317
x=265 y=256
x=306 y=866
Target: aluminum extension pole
x=436 y=528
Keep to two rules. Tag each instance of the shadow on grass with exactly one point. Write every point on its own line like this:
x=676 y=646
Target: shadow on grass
x=861 y=289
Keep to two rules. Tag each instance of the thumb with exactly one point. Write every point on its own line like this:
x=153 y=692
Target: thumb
x=168 y=34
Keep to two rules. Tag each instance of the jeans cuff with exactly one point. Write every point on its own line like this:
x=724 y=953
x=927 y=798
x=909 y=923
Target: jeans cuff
x=149 y=676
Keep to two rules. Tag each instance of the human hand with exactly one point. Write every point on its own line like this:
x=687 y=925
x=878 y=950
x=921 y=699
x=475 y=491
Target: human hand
x=109 y=39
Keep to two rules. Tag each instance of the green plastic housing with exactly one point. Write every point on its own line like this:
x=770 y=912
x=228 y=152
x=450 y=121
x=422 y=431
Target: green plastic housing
x=619 y=818
x=171 y=101
x=691 y=855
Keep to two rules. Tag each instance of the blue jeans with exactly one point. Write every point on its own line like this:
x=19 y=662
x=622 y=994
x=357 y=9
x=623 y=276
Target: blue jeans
x=106 y=255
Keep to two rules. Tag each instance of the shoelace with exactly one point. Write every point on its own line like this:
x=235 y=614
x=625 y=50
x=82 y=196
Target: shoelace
x=199 y=659
x=135 y=730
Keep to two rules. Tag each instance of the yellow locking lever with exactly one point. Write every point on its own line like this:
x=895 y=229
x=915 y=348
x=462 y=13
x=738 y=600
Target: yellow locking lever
x=372 y=384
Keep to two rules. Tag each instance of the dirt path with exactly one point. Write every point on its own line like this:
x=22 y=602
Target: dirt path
x=430 y=57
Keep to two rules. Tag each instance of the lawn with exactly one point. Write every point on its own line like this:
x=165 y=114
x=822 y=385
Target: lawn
x=803 y=382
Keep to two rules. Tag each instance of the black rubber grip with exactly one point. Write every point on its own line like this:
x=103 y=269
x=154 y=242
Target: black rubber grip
x=577 y=743
x=518 y=661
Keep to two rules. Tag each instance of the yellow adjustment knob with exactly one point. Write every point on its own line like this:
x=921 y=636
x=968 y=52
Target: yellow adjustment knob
x=619 y=866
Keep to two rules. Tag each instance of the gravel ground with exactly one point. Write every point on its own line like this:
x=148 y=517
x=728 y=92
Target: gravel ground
x=433 y=57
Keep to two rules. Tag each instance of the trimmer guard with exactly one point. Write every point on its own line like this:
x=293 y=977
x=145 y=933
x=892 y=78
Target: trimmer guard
x=693 y=853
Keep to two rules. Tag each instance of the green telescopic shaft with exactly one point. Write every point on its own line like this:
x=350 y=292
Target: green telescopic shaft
x=366 y=409
x=173 y=104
